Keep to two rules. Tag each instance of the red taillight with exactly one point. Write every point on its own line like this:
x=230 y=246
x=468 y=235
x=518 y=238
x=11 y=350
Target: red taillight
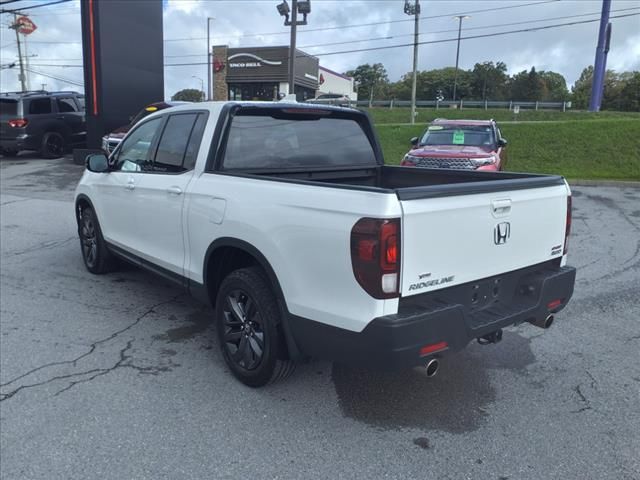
x=375 y=256
x=434 y=347
x=18 y=123
x=568 y=226
x=554 y=304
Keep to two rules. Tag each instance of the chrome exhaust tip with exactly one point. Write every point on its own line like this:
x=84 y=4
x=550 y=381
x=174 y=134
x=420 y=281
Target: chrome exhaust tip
x=543 y=322
x=432 y=367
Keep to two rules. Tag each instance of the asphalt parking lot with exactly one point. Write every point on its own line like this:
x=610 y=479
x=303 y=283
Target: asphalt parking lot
x=119 y=376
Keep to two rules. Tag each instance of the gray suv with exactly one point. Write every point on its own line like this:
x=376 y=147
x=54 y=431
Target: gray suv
x=48 y=122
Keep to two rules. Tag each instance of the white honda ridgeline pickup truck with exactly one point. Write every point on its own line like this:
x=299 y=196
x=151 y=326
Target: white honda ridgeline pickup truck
x=284 y=217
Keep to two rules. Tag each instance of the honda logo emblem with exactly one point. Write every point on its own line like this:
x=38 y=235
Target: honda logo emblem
x=501 y=233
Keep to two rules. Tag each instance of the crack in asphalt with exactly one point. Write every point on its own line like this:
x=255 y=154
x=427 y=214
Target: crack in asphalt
x=583 y=398
x=92 y=348
x=40 y=246
x=14 y=201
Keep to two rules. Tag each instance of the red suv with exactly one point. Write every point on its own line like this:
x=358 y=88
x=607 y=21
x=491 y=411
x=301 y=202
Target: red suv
x=459 y=145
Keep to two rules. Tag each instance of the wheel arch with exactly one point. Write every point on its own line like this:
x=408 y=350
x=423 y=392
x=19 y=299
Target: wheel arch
x=226 y=254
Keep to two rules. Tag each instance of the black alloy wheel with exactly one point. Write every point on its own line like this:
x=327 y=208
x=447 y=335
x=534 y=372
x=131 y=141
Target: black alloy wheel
x=243 y=330
x=89 y=241
x=52 y=145
x=248 y=320
x=97 y=257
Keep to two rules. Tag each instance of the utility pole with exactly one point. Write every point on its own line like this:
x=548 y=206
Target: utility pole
x=209 y=54
x=455 y=77
x=600 y=66
x=297 y=6
x=414 y=10
x=16 y=27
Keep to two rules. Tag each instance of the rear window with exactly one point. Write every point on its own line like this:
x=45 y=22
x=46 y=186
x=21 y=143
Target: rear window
x=296 y=141
x=39 y=106
x=8 y=107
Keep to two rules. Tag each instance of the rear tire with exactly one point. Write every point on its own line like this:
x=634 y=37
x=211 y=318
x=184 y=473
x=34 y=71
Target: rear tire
x=53 y=145
x=247 y=319
x=97 y=257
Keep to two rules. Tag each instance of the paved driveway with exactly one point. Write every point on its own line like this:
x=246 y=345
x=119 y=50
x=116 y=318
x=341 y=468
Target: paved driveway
x=119 y=376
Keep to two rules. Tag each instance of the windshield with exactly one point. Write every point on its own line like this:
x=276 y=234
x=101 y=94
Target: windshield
x=8 y=107
x=467 y=135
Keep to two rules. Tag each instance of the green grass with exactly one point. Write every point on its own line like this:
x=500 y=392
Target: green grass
x=590 y=150
x=382 y=115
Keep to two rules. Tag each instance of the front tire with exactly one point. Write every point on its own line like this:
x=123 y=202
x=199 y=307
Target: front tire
x=97 y=258
x=52 y=145
x=10 y=153
x=247 y=319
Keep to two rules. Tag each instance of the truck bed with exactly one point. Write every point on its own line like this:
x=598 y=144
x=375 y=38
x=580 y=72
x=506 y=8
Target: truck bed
x=415 y=183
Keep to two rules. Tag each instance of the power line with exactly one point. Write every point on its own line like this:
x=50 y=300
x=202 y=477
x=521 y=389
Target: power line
x=429 y=42
x=53 y=77
x=39 y=5
x=322 y=29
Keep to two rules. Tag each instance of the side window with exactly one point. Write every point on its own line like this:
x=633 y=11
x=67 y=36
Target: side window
x=173 y=144
x=66 y=105
x=194 y=142
x=39 y=106
x=133 y=155
x=80 y=102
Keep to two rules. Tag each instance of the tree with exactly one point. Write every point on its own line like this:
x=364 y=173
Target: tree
x=189 y=95
x=489 y=81
x=371 y=79
x=555 y=87
x=527 y=86
x=630 y=93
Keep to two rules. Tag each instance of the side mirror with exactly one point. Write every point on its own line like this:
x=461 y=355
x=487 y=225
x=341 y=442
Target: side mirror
x=414 y=141
x=97 y=163
x=502 y=142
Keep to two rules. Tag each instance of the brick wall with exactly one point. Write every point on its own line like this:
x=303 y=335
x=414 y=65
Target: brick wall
x=220 y=90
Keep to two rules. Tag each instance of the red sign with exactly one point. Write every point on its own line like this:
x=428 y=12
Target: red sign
x=321 y=79
x=25 y=25
x=218 y=66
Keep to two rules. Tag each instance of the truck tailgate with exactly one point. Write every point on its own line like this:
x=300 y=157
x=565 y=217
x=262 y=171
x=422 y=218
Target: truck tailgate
x=450 y=240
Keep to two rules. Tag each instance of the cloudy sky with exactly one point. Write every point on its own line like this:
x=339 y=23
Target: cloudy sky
x=337 y=26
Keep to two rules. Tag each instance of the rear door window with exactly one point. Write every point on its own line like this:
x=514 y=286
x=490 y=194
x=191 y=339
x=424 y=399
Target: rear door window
x=260 y=141
x=173 y=143
x=39 y=106
x=66 y=105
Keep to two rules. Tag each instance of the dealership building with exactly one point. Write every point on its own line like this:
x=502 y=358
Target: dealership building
x=261 y=73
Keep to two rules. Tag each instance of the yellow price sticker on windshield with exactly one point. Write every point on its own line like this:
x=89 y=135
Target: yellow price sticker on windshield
x=458 y=137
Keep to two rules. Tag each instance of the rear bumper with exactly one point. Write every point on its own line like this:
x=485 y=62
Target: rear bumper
x=449 y=315
x=20 y=142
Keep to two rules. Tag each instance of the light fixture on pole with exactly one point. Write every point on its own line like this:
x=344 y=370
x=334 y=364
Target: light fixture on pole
x=414 y=9
x=297 y=6
x=201 y=86
x=455 y=78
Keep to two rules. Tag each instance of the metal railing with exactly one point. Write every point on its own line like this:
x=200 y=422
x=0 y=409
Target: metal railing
x=461 y=104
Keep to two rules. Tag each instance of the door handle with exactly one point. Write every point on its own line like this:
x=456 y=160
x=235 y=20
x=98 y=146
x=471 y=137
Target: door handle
x=501 y=207
x=174 y=190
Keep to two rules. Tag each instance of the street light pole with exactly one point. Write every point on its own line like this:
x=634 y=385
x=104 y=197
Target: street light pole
x=16 y=27
x=209 y=69
x=415 y=11
x=292 y=47
x=298 y=6
x=455 y=77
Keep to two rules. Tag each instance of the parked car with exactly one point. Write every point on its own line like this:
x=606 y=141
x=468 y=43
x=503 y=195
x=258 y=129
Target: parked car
x=459 y=145
x=111 y=140
x=331 y=99
x=285 y=218
x=48 y=122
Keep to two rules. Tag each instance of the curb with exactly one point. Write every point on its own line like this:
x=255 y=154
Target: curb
x=604 y=183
